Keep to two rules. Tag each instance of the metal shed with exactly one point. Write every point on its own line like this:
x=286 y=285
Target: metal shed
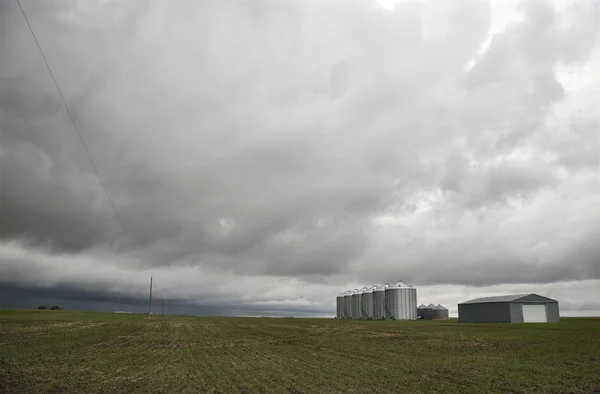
x=517 y=308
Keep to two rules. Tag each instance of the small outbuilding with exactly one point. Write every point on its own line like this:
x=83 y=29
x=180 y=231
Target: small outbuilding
x=432 y=312
x=421 y=311
x=441 y=312
x=518 y=308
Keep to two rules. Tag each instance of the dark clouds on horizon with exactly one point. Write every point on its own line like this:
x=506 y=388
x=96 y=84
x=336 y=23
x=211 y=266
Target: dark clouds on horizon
x=272 y=154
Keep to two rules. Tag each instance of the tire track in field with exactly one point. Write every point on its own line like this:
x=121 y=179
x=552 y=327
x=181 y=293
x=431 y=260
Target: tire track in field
x=280 y=361
x=256 y=382
x=216 y=346
x=340 y=359
x=271 y=362
x=140 y=356
x=76 y=355
x=370 y=357
x=101 y=342
x=109 y=355
x=112 y=358
x=206 y=364
x=302 y=363
x=149 y=353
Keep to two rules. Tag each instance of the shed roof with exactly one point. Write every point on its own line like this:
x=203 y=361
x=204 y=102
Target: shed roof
x=529 y=297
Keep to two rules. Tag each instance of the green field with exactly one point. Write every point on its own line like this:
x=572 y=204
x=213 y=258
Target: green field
x=58 y=351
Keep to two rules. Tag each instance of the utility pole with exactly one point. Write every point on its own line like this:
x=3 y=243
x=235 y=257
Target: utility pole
x=150 y=302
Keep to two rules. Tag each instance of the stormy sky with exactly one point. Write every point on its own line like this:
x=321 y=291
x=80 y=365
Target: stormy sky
x=263 y=156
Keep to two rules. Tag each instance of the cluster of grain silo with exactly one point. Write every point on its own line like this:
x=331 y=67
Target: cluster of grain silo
x=397 y=301
x=432 y=312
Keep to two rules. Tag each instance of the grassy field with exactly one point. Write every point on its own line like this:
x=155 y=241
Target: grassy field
x=58 y=351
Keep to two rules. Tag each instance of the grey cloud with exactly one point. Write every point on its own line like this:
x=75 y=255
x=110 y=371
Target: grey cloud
x=41 y=203
x=267 y=139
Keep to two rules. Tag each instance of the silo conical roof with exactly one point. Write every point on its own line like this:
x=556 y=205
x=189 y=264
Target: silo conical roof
x=381 y=287
x=431 y=306
x=421 y=306
x=441 y=307
x=400 y=285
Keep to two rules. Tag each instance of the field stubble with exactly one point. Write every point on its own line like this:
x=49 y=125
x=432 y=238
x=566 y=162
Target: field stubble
x=52 y=351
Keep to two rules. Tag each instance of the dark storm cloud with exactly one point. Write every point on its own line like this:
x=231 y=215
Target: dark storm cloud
x=284 y=142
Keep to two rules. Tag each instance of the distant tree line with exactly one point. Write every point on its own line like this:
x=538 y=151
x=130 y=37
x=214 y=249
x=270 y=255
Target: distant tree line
x=52 y=308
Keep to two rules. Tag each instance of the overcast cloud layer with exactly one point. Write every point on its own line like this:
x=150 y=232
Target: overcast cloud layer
x=264 y=156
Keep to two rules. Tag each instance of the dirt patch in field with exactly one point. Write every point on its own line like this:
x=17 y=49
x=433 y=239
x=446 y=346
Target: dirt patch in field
x=178 y=324
x=171 y=345
x=382 y=334
x=330 y=329
x=76 y=324
x=71 y=325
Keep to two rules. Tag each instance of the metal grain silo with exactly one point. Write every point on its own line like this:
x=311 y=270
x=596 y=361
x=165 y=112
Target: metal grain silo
x=356 y=312
x=379 y=301
x=401 y=301
x=430 y=312
x=421 y=311
x=348 y=304
x=441 y=312
x=339 y=306
x=366 y=301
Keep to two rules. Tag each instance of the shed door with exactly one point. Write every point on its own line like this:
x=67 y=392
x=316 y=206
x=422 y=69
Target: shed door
x=534 y=313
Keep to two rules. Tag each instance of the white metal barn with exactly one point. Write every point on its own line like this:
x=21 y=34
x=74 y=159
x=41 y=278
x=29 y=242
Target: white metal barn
x=518 y=308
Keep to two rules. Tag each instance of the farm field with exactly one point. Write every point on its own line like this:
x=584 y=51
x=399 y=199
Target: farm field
x=61 y=351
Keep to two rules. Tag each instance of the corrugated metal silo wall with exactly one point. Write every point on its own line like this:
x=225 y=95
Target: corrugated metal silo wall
x=339 y=307
x=348 y=307
x=356 y=306
x=412 y=303
x=378 y=305
x=428 y=314
x=401 y=303
x=367 y=305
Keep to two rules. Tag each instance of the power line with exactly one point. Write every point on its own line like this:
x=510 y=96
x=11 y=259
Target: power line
x=87 y=152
